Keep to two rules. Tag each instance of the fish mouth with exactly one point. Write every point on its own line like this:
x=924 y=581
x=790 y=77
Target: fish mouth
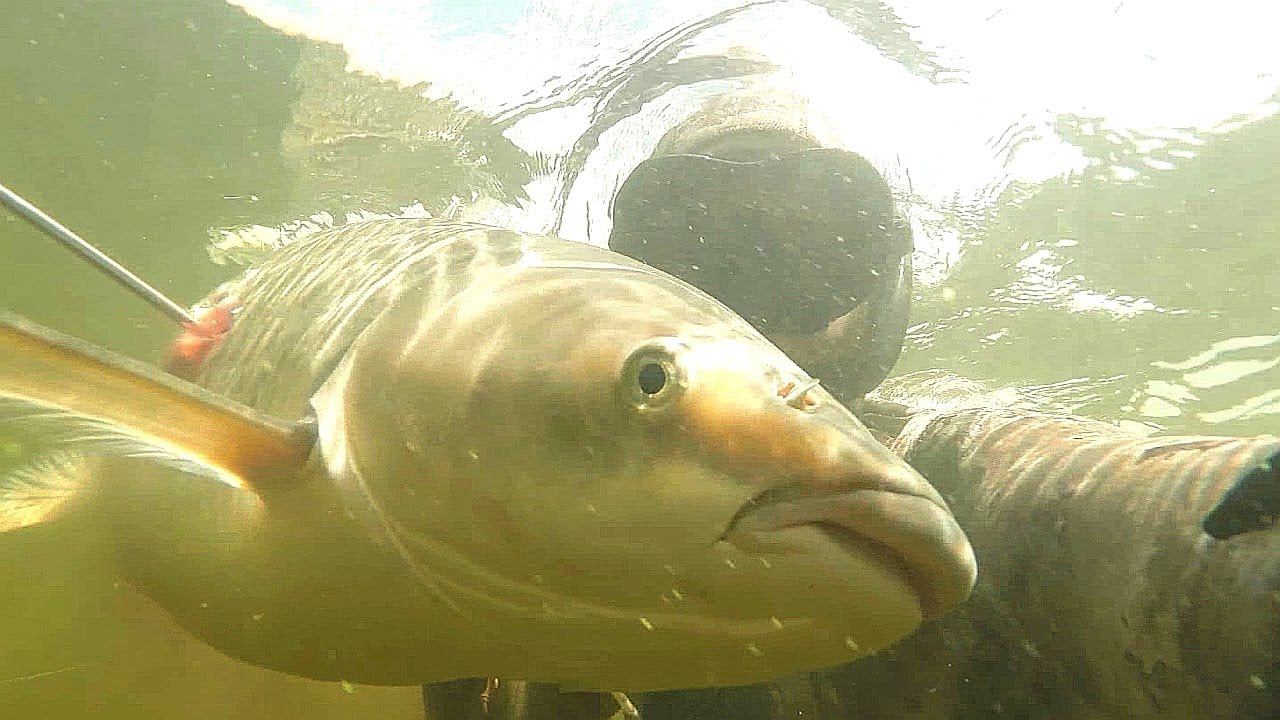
x=912 y=535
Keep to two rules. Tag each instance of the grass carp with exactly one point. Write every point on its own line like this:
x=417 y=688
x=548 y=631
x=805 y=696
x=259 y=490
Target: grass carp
x=506 y=455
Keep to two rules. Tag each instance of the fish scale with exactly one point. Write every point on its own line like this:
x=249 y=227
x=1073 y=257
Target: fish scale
x=521 y=449
x=1097 y=536
x=303 y=307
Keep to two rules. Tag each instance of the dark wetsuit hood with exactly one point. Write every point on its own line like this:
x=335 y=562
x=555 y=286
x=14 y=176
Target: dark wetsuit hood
x=790 y=240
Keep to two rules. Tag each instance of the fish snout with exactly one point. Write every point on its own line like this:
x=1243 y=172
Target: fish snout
x=867 y=501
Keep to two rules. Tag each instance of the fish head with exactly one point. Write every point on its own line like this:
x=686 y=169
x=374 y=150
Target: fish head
x=625 y=486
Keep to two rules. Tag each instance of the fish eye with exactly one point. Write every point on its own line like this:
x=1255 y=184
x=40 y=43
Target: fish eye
x=651 y=377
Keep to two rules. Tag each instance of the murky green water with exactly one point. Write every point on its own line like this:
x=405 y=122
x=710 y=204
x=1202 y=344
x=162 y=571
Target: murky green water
x=1098 y=225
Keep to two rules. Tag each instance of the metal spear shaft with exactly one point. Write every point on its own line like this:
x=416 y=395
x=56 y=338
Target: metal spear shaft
x=99 y=259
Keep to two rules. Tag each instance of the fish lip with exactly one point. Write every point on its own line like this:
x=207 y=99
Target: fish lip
x=914 y=534
x=794 y=490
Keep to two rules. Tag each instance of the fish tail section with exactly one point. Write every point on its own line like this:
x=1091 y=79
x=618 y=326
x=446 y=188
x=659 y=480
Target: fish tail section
x=42 y=490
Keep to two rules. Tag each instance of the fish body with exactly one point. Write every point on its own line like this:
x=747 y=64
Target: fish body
x=534 y=459
x=1102 y=596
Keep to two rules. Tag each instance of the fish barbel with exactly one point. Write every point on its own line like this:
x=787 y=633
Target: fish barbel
x=533 y=459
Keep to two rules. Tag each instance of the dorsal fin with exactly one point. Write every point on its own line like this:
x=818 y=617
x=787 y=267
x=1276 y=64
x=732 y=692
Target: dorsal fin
x=45 y=367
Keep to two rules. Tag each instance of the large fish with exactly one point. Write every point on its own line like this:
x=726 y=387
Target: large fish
x=1124 y=576
x=532 y=459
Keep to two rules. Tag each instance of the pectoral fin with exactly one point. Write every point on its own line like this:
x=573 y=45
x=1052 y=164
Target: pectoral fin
x=46 y=368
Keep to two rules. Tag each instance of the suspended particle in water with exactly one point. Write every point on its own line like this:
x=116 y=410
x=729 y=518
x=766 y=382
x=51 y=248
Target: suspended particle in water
x=755 y=650
x=850 y=643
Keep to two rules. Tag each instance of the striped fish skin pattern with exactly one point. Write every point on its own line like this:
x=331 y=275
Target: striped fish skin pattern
x=1100 y=595
x=489 y=497
x=302 y=309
